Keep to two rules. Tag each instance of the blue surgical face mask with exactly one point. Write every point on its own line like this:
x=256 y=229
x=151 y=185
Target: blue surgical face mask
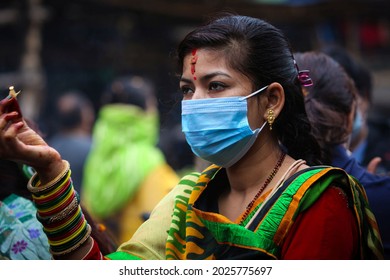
x=357 y=124
x=217 y=129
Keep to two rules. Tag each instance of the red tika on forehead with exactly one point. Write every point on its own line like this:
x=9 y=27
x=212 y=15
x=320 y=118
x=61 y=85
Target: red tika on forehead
x=194 y=58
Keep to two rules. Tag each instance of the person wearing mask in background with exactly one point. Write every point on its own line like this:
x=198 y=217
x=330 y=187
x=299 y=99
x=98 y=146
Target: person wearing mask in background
x=362 y=77
x=126 y=174
x=75 y=115
x=266 y=195
x=331 y=104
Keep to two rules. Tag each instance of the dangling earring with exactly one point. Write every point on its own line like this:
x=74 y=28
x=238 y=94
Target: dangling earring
x=270 y=118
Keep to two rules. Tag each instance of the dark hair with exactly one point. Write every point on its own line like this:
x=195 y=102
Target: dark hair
x=329 y=101
x=132 y=89
x=261 y=52
x=69 y=108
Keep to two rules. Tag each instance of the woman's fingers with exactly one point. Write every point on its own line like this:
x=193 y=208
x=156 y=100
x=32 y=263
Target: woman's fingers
x=19 y=143
x=7 y=143
x=12 y=131
x=7 y=119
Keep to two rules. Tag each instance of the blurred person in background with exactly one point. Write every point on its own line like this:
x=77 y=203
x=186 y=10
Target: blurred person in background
x=331 y=105
x=126 y=174
x=360 y=143
x=75 y=116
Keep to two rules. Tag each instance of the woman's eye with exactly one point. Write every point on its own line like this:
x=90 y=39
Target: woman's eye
x=185 y=90
x=216 y=86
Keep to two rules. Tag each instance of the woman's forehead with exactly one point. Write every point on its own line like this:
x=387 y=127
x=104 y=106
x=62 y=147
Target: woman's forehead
x=200 y=58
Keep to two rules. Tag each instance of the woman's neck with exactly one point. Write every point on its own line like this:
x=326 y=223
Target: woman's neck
x=254 y=168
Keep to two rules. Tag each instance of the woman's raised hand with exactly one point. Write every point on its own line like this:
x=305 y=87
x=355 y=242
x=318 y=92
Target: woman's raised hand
x=20 y=143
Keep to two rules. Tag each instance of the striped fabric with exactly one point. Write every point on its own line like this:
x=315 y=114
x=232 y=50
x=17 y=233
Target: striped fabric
x=208 y=235
x=200 y=234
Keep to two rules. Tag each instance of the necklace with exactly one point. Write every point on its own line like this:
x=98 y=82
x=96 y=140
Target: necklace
x=266 y=183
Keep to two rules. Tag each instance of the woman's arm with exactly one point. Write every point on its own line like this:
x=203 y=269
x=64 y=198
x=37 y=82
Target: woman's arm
x=58 y=205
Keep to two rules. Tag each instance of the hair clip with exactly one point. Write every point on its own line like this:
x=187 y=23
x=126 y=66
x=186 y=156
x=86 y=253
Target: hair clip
x=304 y=78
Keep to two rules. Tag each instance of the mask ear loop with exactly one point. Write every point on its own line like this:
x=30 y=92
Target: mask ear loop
x=257 y=131
x=253 y=93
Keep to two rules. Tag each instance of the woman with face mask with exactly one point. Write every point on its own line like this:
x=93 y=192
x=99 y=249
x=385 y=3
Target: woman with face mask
x=331 y=105
x=265 y=196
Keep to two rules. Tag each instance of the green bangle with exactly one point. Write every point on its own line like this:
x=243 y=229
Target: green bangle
x=69 y=235
x=66 y=228
x=56 y=202
x=78 y=244
x=48 y=186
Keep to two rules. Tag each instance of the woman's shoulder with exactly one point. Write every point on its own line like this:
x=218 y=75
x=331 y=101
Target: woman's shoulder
x=319 y=171
x=308 y=182
x=299 y=168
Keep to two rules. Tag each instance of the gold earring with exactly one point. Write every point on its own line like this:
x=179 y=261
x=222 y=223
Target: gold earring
x=270 y=118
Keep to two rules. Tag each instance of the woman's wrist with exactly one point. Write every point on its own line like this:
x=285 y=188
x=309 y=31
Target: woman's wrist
x=50 y=171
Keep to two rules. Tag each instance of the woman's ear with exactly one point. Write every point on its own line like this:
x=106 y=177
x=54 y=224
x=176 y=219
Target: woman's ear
x=274 y=100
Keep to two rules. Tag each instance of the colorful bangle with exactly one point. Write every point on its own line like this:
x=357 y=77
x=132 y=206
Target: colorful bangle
x=77 y=245
x=72 y=242
x=47 y=198
x=66 y=212
x=70 y=235
x=59 y=212
x=54 y=190
x=58 y=204
x=49 y=185
x=65 y=226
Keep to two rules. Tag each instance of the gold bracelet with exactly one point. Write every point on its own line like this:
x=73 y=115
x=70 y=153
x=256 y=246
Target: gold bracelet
x=71 y=249
x=51 y=184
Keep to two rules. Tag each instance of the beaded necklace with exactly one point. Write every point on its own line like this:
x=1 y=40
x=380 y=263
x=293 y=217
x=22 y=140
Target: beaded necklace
x=267 y=181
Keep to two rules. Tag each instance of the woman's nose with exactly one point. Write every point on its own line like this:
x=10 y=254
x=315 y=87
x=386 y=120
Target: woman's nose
x=199 y=94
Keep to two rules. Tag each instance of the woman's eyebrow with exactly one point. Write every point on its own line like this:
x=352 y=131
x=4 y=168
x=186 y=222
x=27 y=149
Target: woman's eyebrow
x=185 y=80
x=206 y=77
x=214 y=74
